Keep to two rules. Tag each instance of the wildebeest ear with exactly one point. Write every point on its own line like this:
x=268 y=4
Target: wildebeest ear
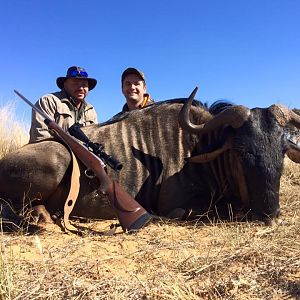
x=293 y=154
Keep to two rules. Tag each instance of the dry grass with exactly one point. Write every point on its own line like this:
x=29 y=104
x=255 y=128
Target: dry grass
x=13 y=132
x=163 y=261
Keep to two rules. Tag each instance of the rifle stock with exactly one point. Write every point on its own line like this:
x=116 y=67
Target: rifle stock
x=131 y=214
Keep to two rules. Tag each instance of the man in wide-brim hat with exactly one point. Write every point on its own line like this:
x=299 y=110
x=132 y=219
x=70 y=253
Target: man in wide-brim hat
x=67 y=106
x=79 y=73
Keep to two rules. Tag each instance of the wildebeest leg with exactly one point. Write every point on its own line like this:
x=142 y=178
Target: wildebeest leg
x=173 y=201
x=30 y=175
x=39 y=214
x=179 y=194
x=11 y=221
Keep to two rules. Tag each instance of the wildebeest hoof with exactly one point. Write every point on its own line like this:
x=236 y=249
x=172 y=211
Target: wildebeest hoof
x=10 y=221
x=40 y=215
x=177 y=213
x=8 y=213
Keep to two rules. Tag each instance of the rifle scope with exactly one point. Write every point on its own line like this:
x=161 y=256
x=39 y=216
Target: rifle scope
x=96 y=148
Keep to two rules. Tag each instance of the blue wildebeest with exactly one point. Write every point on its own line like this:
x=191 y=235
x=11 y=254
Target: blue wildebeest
x=209 y=160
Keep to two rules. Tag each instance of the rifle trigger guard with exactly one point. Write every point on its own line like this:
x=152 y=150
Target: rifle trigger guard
x=52 y=132
x=89 y=174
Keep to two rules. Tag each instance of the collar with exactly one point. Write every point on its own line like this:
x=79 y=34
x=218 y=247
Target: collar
x=65 y=98
x=146 y=101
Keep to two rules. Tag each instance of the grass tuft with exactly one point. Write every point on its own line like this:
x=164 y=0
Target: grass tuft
x=13 y=132
x=6 y=274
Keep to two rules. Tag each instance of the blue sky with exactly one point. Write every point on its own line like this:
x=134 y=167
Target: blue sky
x=245 y=51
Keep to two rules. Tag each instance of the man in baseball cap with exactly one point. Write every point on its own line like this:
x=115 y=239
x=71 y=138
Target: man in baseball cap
x=67 y=106
x=134 y=90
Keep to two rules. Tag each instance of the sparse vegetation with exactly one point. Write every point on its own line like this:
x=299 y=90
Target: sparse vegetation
x=13 y=132
x=166 y=260
x=6 y=275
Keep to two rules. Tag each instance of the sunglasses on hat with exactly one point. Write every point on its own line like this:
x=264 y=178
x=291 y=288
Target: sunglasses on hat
x=76 y=72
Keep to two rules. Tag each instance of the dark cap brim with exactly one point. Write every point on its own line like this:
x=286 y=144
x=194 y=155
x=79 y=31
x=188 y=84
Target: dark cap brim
x=132 y=71
x=91 y=81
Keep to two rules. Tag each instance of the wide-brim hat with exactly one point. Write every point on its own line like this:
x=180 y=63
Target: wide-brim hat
x=132 y=71
x=76 y=72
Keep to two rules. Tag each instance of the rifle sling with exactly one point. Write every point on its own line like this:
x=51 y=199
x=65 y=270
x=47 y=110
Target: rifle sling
x=74 y=189
x=71 y=200
x=73 y=193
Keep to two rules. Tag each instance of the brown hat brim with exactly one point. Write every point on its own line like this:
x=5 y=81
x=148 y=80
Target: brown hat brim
x=91 y=81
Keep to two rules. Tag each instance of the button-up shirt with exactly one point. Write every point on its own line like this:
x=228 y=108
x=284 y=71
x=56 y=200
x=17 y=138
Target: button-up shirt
x=59 y=107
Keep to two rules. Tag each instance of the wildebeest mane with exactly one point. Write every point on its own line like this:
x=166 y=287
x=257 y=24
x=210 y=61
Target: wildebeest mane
x=215 y=108
x=125 y=115
x=219 y=105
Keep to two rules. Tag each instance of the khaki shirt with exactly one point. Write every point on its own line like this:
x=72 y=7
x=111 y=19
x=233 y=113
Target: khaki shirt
x=58 y=106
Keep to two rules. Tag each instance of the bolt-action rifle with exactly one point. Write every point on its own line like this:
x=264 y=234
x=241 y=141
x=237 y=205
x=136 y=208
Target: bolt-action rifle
x=132 y=216
x=96 y=148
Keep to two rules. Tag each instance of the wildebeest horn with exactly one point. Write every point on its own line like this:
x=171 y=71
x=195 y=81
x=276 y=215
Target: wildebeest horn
x=284 y=116
x=209 y=156
x=234 y=116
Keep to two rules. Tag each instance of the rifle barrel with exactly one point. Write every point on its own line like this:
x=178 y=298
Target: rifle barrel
x=43 y=114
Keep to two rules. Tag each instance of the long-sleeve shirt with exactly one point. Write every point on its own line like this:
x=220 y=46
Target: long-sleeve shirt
x=59 y=107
